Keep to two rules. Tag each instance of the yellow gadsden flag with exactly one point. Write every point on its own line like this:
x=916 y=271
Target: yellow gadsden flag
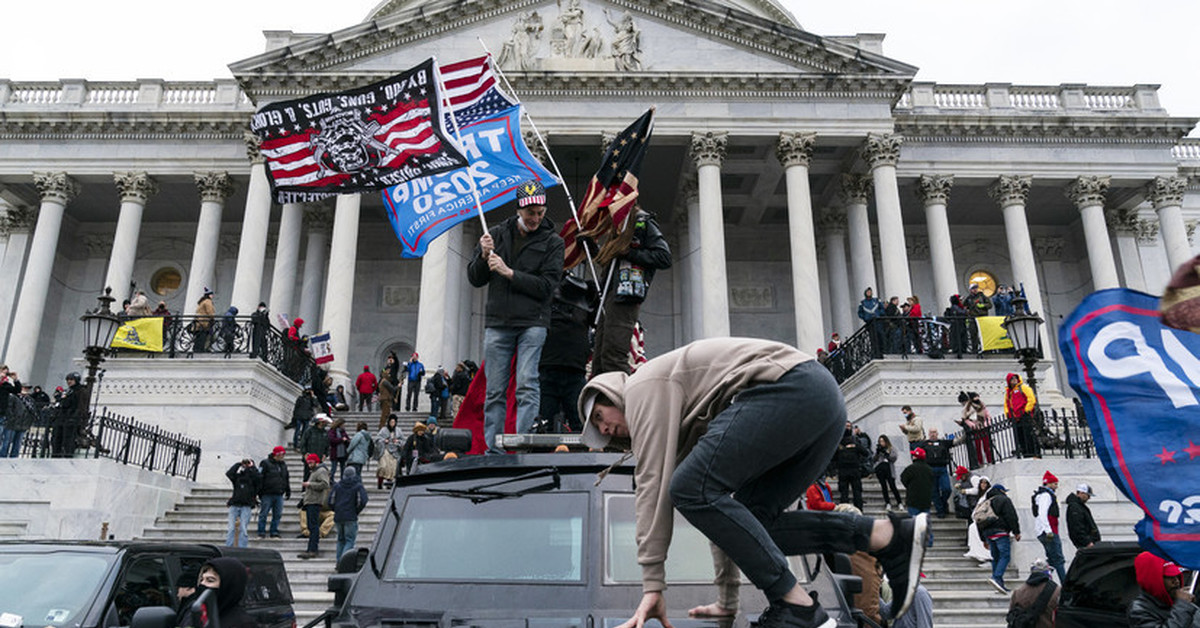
x=992 y=334
x=143 y=334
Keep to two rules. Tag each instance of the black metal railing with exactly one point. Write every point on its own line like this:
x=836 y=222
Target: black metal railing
x=50 y=431
x=1054 y=432
x=935 y=337
x=186 y=336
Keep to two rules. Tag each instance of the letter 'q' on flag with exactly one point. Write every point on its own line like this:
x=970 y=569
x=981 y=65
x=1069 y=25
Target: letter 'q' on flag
x=1139 y=381
x=360 y=140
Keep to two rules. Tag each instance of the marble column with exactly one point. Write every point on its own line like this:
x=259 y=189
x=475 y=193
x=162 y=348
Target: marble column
x=843 y=307
x=1088 y=195
x=252 y=247
x=432 y=312
x=17 y=223
x=794 y=151
x=1166 y=194
x=881 y=152
x=1011 y=192
x=135 y=189
x=934 y=192
x=215 y=188
x=57 y=189
x=708 y=153
x=287 y=259
x=316 y=252
x=695 y=301
x=1124 y=226
x=856 y=189
x=339 y=285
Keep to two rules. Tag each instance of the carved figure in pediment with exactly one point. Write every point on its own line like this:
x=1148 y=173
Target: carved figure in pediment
x=593 y=44
x=518 y=52
x=570 y=28
x=627 y=42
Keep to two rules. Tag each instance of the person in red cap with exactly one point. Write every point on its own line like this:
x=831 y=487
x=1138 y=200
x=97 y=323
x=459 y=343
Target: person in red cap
x=1045 y=516
x=917 y=479
x=1163 y=600
x=366 y=385
x=316 y=495
x=275 y=488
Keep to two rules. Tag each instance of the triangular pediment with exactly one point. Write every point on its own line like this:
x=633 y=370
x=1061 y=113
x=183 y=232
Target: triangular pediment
x=553 y=41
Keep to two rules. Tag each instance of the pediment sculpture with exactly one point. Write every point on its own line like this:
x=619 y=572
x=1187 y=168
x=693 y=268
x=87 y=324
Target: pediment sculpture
x=575 y=43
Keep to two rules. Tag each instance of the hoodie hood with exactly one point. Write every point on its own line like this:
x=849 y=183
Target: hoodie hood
x=297 y=322
x=1037 y=578
x=1008 y=380
x=350 y=478
x=233 y=582
x=1150 y=571
x=612 y=385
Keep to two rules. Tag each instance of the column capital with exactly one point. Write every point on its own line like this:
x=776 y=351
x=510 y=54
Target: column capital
x=1147 y=231
x=934 y=189
x=795 y=148
x=1011 y=189
x=57 y=187
x=1122 y=221
x=856 y=188
x=253 y=147
x=535 y=147
x=1087 y=191
x=708 y=148
x=1166 y=191
x=319 y=216
x=214 y=187
x=135 y=187
x=19 y=219
x=1191 y=228
x=606 y=140
x=882 y=149
x=832 y=220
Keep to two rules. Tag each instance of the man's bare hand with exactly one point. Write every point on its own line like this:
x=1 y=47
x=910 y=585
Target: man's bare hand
x=486 y=245
x=497 y=265
x=711 y=610
x=653 y=606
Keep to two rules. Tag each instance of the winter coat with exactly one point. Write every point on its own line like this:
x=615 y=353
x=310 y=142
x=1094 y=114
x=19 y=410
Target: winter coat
x=978 y=304
x=1154 y=607
x=914 y=429
x=275 y=480
x=139 y=306
x=305 y=408
x=1081 y=526
x=246 y=482
x=1006 y=521
x=359 y=448
x=850 y=454
x=523 y=301
x=414 y=370
x=819 y=497
x=1019 y=400
x=366 y=383
x=422 y=445
x=460 y=382
x=230 y=611
x=348 y=497
x=315 y=441
x=318 y=487
x=917 y=479
x=649 y=248
x=338 y=439
x=204 y=314
x=869 y=309
x=1027 y=594
x=884 y=461
x=8 y=387
x=390 y=440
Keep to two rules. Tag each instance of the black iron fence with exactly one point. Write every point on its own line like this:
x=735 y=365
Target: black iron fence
x=935 y=337
x=1053 y=432
x=35 y=430
x=186 y=336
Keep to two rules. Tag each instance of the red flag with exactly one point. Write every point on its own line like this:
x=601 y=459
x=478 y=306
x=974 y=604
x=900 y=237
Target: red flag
x=613 y=190
x=470 y=412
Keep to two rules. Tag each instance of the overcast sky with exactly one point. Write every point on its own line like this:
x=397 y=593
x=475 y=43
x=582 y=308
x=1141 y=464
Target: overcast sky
x=1038 y=42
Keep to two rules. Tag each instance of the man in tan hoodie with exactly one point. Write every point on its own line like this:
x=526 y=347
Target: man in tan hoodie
x=730 y=432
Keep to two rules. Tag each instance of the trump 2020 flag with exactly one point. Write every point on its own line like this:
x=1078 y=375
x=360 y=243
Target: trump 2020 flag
x=1140 y=385
x=423 y=209
x=360 y=140
x=319 y=346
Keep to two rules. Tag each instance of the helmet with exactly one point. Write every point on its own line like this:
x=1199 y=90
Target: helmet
x=74 y=375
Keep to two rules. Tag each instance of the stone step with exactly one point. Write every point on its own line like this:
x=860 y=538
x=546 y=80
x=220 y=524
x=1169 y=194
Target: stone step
x=968 y=599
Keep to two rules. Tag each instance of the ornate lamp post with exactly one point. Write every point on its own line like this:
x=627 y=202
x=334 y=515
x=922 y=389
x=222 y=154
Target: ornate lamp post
x=99 y=328
x=1022 y=330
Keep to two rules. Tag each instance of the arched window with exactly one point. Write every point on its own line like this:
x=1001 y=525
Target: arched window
x=165 y=281
x=985 y=280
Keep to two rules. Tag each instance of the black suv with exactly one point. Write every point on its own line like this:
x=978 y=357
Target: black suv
x=1100 y=585
x=82 y=584
x=531 y=540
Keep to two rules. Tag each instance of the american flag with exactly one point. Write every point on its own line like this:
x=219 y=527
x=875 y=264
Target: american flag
x=363 y=139
x=612 y=191
x=472 y=91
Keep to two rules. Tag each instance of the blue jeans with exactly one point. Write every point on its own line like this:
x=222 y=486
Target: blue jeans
x=757 y=458
x=242 y=536
x=347 y=534
x=272 y=504
x=1001 y=548
x=1052 y=543
x=499 y=346
x=941 y=490
x=298 y=432
x=10 y=441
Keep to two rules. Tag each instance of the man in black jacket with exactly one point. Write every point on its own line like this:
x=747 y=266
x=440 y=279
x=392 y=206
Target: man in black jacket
x=1081 y=526
x=275 y=488
x=563 y=368
x=302 y=414
x=849 y=457
x=10 y=441
x=520 y=261
x=246 y=482
x=995 y=533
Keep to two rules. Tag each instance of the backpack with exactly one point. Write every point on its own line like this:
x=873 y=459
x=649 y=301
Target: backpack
x=984 y=515
x=372 y=450
x=1020 y=617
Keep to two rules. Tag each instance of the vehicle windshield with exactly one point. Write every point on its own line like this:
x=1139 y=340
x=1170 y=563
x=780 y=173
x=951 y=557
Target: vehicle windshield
x=537 y=537
x=51 y=588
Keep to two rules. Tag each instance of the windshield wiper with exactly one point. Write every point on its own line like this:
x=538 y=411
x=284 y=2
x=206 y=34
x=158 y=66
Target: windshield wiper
x=486 y=492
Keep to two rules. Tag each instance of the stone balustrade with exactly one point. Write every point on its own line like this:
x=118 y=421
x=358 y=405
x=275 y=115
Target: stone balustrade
x=1008 y=99
x=140 y=94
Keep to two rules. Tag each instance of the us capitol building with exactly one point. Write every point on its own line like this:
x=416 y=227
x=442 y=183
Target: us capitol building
x=789 y=171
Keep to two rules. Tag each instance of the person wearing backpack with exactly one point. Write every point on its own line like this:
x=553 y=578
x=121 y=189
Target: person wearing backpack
x=1034 y=603
x=1044 y=504
x=996 y=519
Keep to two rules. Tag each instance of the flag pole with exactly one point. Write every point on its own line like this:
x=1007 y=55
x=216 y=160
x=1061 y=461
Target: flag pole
x=458 y=137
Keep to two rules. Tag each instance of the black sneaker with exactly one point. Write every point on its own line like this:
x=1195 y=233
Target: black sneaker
x=784 y=615
x=901 y=558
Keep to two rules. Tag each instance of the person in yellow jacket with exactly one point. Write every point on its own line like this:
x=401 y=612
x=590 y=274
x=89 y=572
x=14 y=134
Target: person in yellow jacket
x=1019 y=405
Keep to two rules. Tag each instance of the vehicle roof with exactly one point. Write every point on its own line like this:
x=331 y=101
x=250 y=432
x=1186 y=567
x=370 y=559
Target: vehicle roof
x=565 y=462
x=115 y=547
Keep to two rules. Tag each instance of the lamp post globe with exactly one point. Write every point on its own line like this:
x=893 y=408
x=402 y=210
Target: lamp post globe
x=99 y=328
x=1023 y=330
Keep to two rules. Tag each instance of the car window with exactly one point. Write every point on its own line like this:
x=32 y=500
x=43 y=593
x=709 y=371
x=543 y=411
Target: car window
x=50 y=589
x=536 y=537
x=144 y=583
x=268 y=585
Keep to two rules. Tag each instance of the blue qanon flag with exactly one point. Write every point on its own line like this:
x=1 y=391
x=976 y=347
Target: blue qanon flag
x=422 y=209
x=1140 y=384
